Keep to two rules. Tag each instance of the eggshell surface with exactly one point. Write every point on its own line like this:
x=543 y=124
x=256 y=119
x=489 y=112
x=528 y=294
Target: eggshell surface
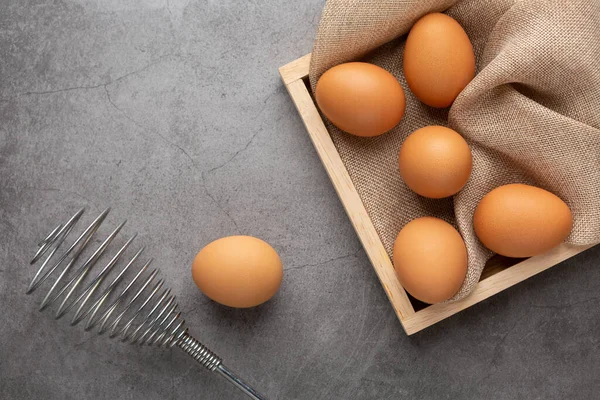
x=435 y=162
x=438 y=60
x=519 y=220
x=238 y=271
x=360 y=98
x=430 y=259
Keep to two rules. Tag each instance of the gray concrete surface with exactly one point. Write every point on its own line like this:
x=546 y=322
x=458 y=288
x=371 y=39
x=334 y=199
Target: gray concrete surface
x=172 y=112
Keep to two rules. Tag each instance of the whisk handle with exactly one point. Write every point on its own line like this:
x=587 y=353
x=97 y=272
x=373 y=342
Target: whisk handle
x=237 y=382
x=212 y=362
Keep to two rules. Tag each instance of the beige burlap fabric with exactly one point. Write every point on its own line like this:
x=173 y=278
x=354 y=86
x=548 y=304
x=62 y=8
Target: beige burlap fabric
x=531 y=115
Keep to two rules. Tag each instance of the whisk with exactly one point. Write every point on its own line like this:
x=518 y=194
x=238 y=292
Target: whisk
x=141 y=311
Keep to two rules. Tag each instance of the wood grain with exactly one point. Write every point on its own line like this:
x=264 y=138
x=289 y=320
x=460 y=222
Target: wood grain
x=500 y=272
x=295 y=70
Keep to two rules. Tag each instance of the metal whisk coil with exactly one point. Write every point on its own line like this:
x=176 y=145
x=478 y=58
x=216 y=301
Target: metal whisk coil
x=141 y=311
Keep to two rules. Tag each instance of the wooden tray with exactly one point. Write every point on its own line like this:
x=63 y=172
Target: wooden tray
x=499 y=273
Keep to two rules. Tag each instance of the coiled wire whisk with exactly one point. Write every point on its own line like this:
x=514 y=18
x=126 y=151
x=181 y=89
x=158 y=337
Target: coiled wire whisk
x=141 y=311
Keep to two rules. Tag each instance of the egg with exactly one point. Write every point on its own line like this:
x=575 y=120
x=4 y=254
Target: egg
x=438 y=60
x=430 y=259
x=435 y=162
x=360 y=98
x=238 y=271
x=519 y=220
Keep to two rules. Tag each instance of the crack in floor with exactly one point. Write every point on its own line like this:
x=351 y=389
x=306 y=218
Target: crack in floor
x=88 y=87
x=237 y=153
x=237 y=228
x=144 y=128
x=354 y=254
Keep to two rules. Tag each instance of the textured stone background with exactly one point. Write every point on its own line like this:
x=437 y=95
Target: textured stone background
x=172 y=112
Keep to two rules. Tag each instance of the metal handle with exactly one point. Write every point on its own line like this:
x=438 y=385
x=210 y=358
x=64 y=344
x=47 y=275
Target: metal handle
x=212 y=362
x=237 y=382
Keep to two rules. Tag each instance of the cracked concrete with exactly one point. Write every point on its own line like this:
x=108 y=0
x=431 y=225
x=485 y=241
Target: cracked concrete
x=355 y=254
x=216 y=203
x=172 y=113
x=144 y=128
x=104 y=85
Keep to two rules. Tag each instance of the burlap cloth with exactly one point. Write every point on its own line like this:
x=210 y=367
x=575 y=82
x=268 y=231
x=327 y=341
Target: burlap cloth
x=531 y=115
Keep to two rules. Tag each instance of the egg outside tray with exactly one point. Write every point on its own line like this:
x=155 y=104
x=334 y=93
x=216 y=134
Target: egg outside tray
x=500 y=272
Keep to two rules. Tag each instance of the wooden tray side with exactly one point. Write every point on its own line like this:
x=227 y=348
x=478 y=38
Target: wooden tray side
x=491 y=286
x=494 y=280
x=346 y=191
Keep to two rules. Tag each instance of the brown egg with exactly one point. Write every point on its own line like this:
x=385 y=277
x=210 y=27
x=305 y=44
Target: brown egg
x=438 y=60
x=238 y=271
x=361 y=99
x=519 y=220
x=430 y=259
x=435 y=162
